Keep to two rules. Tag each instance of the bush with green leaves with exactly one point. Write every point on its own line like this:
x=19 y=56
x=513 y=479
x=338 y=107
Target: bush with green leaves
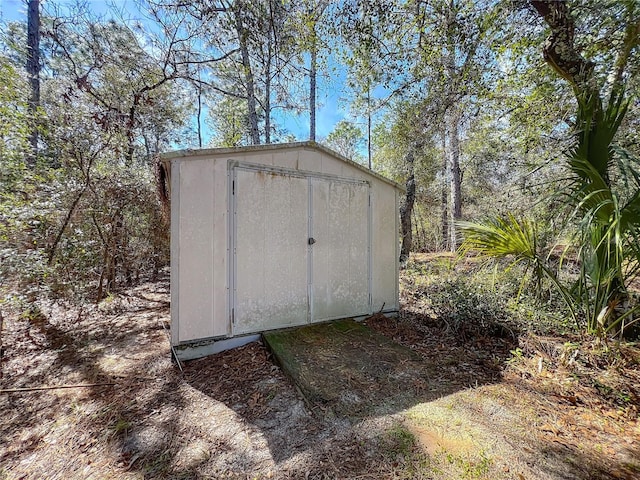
x=83 y=221
x=468 y=308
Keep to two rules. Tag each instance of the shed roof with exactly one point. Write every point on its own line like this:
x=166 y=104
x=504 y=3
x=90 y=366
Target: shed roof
x=187 y=153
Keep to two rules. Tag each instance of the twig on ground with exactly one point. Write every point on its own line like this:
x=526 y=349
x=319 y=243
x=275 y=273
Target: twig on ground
x=55 y=387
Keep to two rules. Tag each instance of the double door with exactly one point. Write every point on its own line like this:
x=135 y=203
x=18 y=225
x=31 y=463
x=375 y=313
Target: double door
x=300 y=247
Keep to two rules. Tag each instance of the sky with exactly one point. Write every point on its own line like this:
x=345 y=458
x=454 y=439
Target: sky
x=330 y=110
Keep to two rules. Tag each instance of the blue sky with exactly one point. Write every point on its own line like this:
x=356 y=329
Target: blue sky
x=330 y=109
x=11 y=10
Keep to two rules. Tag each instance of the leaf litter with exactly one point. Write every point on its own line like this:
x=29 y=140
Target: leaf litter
x=547 y=412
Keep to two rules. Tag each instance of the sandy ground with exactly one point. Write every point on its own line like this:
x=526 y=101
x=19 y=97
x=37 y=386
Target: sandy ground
x=483 y=414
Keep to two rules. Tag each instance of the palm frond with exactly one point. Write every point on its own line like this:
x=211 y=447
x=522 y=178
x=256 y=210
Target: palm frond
x=500 y=237
x=597 y=127
x=608 y=221
x=516 y=239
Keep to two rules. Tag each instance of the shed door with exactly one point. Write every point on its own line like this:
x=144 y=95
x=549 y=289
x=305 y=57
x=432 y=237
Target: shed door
x=270 y=251
x=340 y=252
x=300 y=250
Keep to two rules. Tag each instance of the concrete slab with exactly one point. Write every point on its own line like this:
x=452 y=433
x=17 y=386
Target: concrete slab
x=349 y=369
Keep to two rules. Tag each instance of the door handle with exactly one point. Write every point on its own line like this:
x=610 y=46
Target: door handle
x=312 y=241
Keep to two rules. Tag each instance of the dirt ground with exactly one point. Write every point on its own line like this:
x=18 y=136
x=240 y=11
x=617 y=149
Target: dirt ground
x=495 y=406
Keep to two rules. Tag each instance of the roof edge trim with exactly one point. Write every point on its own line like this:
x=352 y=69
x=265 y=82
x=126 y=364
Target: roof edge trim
x=198 y=152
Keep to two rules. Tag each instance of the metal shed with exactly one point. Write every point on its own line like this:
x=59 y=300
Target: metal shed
x=275 y=236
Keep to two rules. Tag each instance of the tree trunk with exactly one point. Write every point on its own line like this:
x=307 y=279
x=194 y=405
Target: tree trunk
x=445 y=193
x=559 y=49
x=406 y=209
x=33 y=70
x=248 y=77
x=1 y=347
x=65 y=223
x=128 y=158
x=130 y=125
x=115 y=246
x=563 y=54
x=267 y=96
x=312 y=91
x=200 y=115
x=103 y=272
x=456 y=177
x=369 y=123
x=251 y=97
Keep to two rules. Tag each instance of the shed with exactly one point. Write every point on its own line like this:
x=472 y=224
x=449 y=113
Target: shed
x=274 y=236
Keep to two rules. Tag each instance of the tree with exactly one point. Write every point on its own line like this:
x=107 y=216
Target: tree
x=367 y=33
x=456 y=68
x=33 y=70
x=15 y=134
x=603 y=189
x=610 y=220
x=308 y=22
x=20 y=260
x=110 y=108
x=15 y=121
x=93 y=54
x=274 y=44
x=441 y=55
x=346 y=139
x=246 y=50
x=241 y=22
x=230 y=123
x=404 y=152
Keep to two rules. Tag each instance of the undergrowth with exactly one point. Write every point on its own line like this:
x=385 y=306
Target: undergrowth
x=471 y=300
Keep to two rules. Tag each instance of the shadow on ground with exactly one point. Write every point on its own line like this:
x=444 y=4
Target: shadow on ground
x=351 y=376
x=237 y=415
x=355 y=372
x=119 y=353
